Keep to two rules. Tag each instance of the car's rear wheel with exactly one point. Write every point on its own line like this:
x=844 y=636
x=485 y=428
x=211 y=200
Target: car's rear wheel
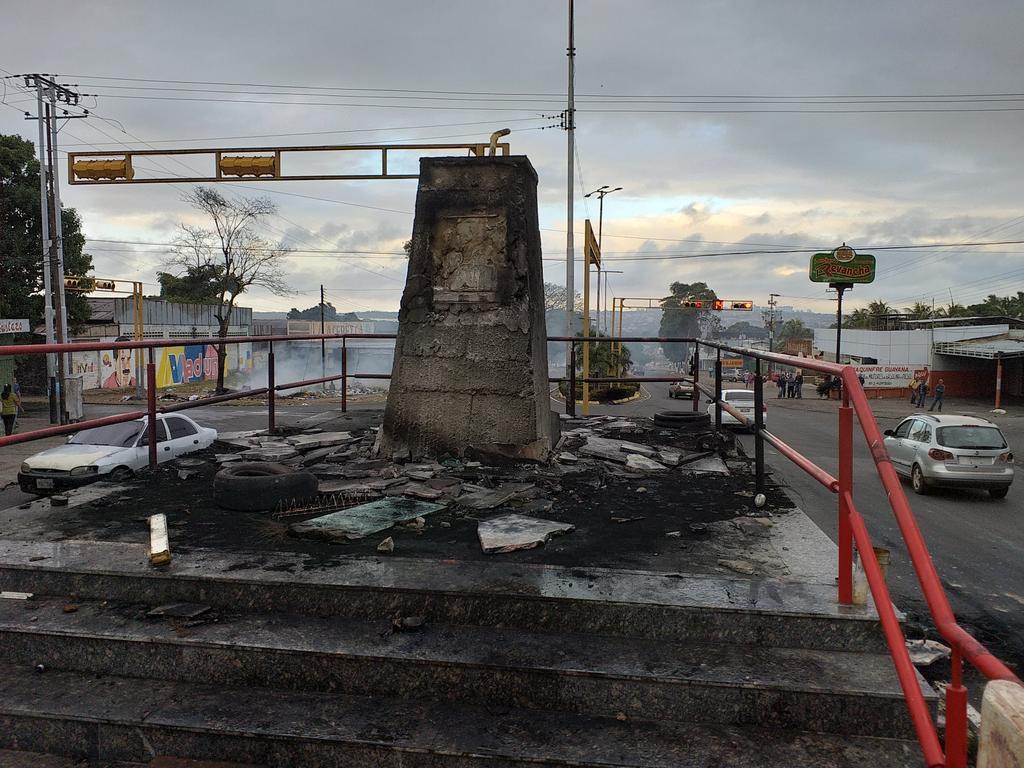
x=998 y=493
x=917 y=481
x=121 y=474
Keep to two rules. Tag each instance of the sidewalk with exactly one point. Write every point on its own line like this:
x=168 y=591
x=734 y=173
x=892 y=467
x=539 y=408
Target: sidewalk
x=895 y=408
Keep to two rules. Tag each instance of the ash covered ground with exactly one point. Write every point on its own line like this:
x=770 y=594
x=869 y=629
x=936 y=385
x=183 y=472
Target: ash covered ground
x=675 y=518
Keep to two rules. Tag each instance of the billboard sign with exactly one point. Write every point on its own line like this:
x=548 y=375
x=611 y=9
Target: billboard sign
x=887 y=376
x=14 y=326
x=827 y=268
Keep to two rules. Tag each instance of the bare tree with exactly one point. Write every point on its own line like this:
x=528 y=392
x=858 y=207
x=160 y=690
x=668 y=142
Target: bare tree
x=232 y=253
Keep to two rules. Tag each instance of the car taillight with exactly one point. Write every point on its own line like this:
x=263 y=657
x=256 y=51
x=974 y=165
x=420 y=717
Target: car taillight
x=940 y=455
x=1007 y=457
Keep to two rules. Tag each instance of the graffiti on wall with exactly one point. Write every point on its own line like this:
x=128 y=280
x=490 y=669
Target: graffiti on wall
x=117 y=368
x=186 y=363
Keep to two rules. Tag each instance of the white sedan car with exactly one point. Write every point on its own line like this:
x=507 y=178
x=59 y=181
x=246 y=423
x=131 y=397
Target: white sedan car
x=111 y=452
x=743 y=401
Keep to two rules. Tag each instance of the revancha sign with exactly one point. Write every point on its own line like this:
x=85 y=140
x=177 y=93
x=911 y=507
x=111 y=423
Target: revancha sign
x=826 y=268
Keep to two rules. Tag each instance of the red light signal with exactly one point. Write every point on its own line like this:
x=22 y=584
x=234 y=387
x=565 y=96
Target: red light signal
x=693 y=304
x=718 y=305
x=744 y=305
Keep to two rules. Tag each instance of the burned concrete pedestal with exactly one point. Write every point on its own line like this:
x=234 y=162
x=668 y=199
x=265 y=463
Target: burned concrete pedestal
x=470 y=364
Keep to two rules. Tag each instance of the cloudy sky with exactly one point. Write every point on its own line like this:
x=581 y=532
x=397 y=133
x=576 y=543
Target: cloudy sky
x=731 y=126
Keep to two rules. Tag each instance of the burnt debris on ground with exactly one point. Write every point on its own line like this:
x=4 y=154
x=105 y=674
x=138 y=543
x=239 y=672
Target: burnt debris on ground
x=618 y=492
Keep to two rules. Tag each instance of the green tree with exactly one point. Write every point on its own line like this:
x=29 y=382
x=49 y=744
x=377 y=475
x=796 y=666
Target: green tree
x=313 y=313
x=791 y=330
x=743 y=329
x=677 y=320
x=952 y=310
x=920 y=311
x=199 y=284
x=999 y=306
x=876 y=315
x=21 y=263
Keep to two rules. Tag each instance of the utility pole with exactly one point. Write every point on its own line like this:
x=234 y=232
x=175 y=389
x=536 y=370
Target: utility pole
x=323 y=343
x=569 y=123
x=772 y=303
x=600 y=192
x=51 y=229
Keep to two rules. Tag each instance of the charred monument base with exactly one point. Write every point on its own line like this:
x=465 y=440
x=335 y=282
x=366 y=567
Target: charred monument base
x=470 y=367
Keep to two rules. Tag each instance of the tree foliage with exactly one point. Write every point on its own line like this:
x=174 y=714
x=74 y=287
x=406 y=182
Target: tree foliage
x=745 y=330
x=677 y=320
x=877 y=315
x=554 y=298
x=313 y=313
x=197 y=285
x=21 y=261
x=231 y=256
x=792 y=330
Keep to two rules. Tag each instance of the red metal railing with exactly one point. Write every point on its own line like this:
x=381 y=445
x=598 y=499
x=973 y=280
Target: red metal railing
x=852 y=528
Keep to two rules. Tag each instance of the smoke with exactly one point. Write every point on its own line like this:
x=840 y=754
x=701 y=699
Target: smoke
x=302 y=360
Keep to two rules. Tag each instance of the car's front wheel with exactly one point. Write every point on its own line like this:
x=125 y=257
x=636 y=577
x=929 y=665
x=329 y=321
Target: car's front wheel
x=917 y=481
x=998 y=493
x=121 y=474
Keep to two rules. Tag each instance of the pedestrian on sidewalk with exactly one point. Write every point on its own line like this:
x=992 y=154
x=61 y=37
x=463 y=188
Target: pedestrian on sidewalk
x=8 y=408
x=922 y=393
x=940 y=393
x=798 y=385
x=781 y=381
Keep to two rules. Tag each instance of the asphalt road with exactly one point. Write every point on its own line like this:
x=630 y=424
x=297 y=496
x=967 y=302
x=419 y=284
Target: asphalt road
x=977 y=543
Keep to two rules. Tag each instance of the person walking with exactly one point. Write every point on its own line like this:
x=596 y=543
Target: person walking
x=781 y=382
x=798 y=384
x=940 y=394
x=8 y=408
x=922 y=393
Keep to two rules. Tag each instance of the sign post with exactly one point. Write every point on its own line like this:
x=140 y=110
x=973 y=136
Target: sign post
x=841 y=269
x=591 y=255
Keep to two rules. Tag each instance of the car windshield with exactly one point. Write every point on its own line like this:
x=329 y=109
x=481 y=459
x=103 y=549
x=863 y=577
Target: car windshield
x=734 y=397
x=971 y=437
x=120 y=435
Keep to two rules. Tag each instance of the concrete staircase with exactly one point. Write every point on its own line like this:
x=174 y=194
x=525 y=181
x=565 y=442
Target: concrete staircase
x=297 y=664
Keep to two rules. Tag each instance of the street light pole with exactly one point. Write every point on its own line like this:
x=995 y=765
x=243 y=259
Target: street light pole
x=600 y=192
x=569 y=123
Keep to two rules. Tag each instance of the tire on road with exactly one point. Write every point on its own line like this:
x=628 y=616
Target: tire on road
x=253 y=486
x=682 y=419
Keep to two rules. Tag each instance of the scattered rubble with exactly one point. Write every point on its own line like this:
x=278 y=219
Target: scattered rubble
x=179 y=610
x=387 y=546
x=364 y=520
x=636 y=461
x=513 y=532
x=926 y=652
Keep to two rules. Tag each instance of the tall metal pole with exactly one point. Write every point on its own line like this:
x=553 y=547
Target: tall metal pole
x=62 y=304
x=839 y=319
x=44 y=230
x=600 y=218
x=570 y=126
x=56 y=277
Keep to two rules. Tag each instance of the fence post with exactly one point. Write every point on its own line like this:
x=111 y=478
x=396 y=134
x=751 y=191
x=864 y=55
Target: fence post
x=151 y=406
x=570 y=396
x=718 y=390
x=696 y=376
x=271 y=392
x=758 y=428
x=845 y=485
x=956 y=716
x=344 y=374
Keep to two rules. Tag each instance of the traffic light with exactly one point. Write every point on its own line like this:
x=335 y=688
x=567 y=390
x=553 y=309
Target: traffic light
x=103 y=169
x=248 y=165
x=88 y=284
x=692 y=304
x=747 y=306
x=718 y=305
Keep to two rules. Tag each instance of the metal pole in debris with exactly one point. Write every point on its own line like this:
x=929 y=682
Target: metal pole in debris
x=758 y=428
x=271 y=392
x=569 y=125
x=344 y=374
x=151 y=407
x=718 y=390
x=696 y=376
x=323 y=344
x=570 y=396
x=845 y=485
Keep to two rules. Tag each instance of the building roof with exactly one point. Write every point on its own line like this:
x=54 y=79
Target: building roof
x=988 y=349
x=1013 y=322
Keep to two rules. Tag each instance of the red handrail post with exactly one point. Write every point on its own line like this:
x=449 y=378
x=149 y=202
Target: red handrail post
x=845 y=490
x=956 y=716
x=151 y=407
x=696 y=376
x=344 y=374
x=758 y=427
x=570 y=396
x=271 y=392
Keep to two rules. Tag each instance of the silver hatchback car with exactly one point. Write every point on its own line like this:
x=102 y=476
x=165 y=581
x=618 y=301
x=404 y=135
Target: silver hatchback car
x=951 y=452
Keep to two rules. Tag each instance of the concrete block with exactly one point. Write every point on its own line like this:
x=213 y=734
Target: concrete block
x=1001 y=742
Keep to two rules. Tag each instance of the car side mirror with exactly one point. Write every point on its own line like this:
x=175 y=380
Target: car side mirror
x=889 y=433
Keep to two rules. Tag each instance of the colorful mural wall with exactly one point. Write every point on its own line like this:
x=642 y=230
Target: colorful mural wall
x=178 y=364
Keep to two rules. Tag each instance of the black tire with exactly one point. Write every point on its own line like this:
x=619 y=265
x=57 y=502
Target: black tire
x=999 y=493
x=682 y=419
x=917 y=481
x=252 y=486
x=121 y=474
